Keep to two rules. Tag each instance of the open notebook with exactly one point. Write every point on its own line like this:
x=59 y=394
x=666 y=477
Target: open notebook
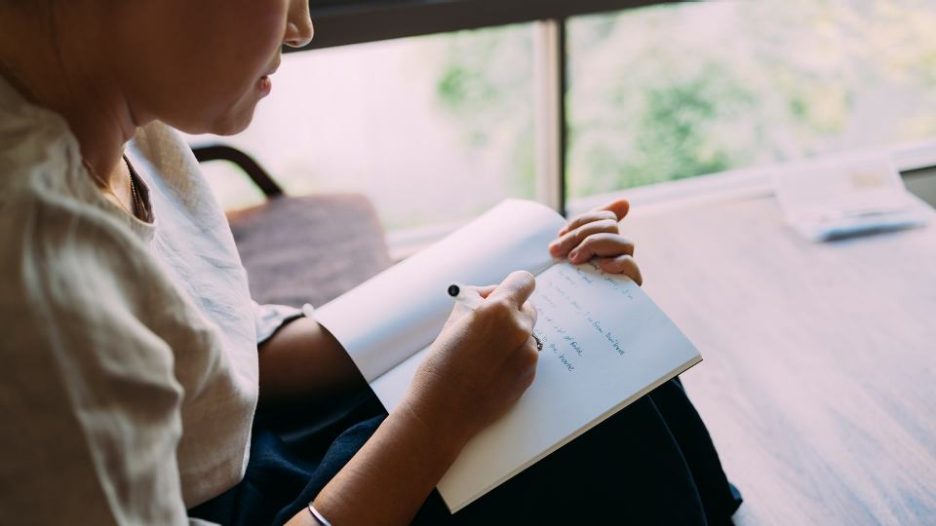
x=605 y=343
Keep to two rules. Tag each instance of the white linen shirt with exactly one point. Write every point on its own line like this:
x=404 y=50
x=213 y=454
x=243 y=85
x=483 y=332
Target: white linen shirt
x=128 y=362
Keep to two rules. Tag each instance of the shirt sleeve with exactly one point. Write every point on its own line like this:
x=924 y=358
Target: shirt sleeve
x=272 y=318
x=88 y=392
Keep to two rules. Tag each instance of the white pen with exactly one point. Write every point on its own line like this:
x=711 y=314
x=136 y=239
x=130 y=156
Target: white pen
x=471 y=301
x=458 y=292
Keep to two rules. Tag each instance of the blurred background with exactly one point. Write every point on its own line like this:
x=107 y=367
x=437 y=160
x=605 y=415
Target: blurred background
x=435 y=129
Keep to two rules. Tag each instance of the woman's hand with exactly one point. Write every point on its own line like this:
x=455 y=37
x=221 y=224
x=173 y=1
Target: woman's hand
x=481 y=363
x=594 y=236
x=477 y=368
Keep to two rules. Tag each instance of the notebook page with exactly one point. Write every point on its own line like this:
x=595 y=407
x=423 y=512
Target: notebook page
x=606 y=344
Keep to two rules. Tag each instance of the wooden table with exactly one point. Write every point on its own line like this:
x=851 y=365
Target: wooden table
x=818 y=379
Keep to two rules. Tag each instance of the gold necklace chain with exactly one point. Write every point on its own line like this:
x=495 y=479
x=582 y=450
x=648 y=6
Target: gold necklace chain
x=139 y=206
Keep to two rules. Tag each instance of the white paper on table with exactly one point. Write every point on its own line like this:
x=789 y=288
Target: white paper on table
x=847 y=194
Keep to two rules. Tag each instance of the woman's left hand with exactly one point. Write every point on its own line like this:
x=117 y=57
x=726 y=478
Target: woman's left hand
x=595 y=236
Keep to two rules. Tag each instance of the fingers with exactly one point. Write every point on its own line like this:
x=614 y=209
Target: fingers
x=587 y=217
x=522 y=365
x=481 y=292
x=604 y=220
x=568 y=241
x=609 y=245
x=615 y=210
x=620 y=208
x=623 y=264
x=507 y=306
x=515 y=289
x=486 y=290
x=530 y=312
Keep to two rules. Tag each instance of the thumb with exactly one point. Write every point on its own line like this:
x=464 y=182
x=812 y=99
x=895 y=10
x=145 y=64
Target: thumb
x=516 y=288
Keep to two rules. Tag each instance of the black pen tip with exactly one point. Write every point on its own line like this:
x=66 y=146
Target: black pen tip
x=453 y=290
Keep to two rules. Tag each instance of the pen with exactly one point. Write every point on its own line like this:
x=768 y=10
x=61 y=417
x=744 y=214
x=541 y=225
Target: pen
x=457 y=292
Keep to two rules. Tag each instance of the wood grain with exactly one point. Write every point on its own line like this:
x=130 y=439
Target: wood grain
x=818 y=379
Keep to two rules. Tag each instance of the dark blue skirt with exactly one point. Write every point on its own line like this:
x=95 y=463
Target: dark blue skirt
x=652 y=463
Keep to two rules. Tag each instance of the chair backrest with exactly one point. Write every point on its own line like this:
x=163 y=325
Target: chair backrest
x=305 y=249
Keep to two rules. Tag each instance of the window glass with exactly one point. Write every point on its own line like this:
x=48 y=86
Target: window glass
x=675 y=91
x=433 y=129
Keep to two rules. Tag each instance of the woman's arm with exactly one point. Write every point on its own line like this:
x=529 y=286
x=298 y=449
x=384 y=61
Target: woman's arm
x=397 y=467
x=390 y=477
x=304 y=362
x=480 y=364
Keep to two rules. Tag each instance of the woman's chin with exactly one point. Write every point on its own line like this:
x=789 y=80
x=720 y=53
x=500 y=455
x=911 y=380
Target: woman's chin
x=217 y=119
x=232 y=126
x=230 y=123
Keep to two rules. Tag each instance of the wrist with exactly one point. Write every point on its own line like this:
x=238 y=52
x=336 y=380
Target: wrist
x=432 y=428
x=392 y=473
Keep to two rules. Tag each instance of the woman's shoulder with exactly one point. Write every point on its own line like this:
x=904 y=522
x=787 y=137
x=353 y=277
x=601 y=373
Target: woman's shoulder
x=67 y=250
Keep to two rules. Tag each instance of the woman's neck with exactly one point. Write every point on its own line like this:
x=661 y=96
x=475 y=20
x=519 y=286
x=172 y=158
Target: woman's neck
x=54 y=59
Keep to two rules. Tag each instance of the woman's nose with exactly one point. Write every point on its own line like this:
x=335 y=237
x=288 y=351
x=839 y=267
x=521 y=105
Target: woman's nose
x=299 y=29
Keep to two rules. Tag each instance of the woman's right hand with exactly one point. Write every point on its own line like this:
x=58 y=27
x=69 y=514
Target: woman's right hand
x=481 y=363
x=477 y=368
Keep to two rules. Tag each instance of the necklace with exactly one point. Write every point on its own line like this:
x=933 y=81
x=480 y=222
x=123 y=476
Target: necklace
x=138 y=194
x=135 y=196
x=138 y=206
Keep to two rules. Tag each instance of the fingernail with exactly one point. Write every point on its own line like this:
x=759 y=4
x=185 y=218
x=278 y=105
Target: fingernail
x=573 y=255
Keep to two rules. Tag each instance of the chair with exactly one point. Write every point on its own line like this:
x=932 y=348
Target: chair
x=302 y=249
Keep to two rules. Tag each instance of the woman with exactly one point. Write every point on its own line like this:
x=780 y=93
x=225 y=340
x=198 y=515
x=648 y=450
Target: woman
x=132 y=370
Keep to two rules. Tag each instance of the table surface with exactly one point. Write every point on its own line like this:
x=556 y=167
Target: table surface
x=818 y=380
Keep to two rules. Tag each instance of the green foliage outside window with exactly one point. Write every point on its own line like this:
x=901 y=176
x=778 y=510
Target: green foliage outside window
x=485 y=85
x=676 y=91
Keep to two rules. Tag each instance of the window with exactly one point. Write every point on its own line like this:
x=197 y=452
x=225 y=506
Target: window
x=435 y=129
x=675 y=91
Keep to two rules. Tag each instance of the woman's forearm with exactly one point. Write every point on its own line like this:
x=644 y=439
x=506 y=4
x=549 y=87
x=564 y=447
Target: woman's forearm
x=395 y=470
x=388 y=480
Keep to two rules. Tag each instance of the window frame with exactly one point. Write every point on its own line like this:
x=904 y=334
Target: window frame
x=343 y=22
